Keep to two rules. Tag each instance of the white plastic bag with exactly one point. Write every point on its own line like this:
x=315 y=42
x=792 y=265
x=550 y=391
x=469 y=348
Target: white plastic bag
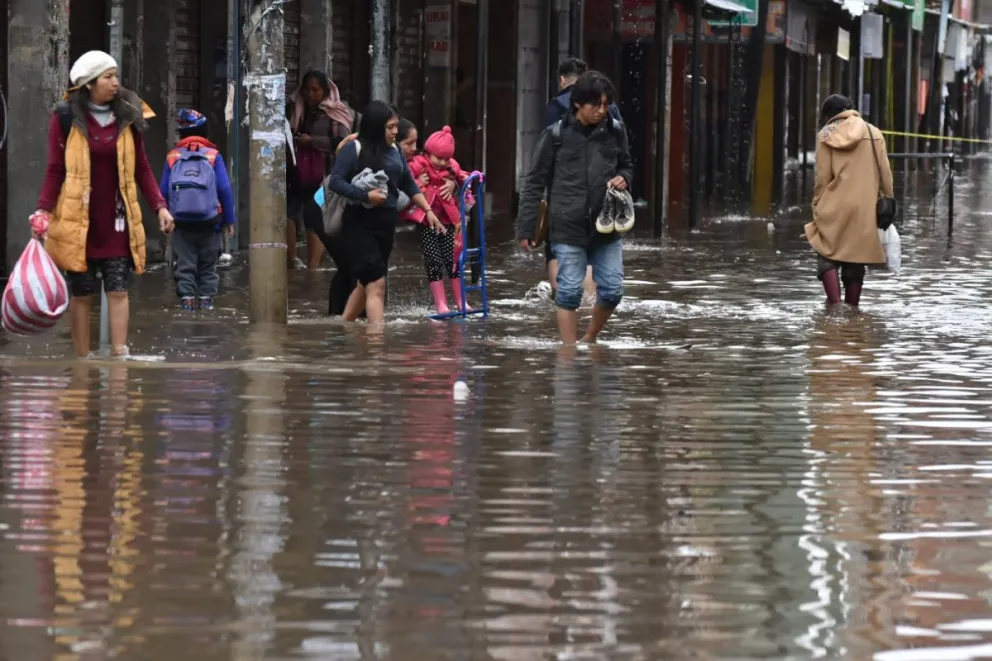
x=36 y=295
x=892 y=245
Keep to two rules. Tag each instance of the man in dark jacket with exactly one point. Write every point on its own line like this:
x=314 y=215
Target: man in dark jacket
x=557 y=110
x=576 y=167
x=558 y=107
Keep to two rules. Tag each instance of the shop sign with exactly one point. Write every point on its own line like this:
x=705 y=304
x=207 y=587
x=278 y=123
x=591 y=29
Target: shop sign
x=872 y=41
x=437 y=29
x=748 y=19
x=919 y=15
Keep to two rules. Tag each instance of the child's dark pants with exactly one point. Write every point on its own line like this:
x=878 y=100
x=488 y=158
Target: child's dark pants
x=197 y=247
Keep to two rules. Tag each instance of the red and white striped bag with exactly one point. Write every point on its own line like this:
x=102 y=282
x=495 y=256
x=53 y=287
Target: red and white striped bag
x=36 y=295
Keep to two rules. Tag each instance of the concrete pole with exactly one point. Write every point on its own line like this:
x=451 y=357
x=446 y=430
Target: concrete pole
x=38 y=69
x=259 y=519
x=380 y=50
x=266 y=84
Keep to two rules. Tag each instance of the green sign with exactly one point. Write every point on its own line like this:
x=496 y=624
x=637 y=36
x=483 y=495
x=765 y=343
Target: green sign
x=919 y=13
x=748 y=19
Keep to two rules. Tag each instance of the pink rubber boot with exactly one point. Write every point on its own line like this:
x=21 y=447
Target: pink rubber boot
x=440 y=298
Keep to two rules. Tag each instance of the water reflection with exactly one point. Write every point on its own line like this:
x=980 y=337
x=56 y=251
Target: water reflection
x=259 y=516
x=798 y=484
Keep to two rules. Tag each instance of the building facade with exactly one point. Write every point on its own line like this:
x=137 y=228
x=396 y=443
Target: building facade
x=436 y=52
x=487 y=69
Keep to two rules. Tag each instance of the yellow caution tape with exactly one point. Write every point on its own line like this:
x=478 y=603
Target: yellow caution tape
x=901 y=134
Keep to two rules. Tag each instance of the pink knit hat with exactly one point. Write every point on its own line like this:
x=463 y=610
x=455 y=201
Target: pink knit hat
x=441 y=143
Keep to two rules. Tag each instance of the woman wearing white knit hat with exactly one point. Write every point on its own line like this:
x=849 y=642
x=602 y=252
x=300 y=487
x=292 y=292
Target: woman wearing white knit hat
x=89 y=200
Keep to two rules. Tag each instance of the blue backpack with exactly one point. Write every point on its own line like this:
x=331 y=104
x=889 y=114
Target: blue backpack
x=193 y=184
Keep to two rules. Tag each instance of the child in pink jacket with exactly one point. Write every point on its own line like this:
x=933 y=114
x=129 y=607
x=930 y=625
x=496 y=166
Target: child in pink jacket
x=439 y=249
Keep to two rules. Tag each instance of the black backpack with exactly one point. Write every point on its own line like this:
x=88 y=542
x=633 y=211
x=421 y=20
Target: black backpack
x=617 y=128
x=64 y=112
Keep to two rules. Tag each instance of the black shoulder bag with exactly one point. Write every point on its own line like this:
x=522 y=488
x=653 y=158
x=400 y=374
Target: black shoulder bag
x=886 y=209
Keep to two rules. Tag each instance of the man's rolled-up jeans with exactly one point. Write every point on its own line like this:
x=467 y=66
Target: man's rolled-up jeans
x=606 y=260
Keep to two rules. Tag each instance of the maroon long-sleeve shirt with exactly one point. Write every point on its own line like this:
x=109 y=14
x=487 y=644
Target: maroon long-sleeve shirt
x=103 y=241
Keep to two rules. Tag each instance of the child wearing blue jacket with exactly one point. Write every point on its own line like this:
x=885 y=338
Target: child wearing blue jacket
x=198 y=191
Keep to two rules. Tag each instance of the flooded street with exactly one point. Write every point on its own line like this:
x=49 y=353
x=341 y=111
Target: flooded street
x=798 y=484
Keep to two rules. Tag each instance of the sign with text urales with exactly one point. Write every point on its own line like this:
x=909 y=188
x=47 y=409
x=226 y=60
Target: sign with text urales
x=437 y=30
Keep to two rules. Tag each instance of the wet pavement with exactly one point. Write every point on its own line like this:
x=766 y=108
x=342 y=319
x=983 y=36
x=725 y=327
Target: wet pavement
x=798 y=484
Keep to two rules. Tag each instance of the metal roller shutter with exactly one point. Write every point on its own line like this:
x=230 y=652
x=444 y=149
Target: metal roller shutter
x=187 y=60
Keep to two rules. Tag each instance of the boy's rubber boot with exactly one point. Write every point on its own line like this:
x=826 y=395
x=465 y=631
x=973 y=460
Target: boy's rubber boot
x=852 y=293
x=440 y=298
x=831 y=285
x=458 y=295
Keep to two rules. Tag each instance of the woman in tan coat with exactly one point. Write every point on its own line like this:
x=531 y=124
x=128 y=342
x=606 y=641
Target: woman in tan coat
x=849 y=181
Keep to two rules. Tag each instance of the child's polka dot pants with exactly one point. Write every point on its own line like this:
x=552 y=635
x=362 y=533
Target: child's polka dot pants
x=438 y=251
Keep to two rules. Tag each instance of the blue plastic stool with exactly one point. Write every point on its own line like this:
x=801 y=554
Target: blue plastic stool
x=472 y=256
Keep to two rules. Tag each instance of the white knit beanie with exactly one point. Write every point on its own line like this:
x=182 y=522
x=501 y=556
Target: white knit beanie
x=91 y=66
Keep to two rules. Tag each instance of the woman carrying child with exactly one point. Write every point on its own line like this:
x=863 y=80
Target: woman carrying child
x=438 y=175
x=368 y=232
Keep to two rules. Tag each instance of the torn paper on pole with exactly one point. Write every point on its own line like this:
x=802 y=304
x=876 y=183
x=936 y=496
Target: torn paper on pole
x=232 y=94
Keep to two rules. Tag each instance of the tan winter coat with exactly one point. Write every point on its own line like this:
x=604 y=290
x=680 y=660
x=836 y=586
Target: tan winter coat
x=847 y=188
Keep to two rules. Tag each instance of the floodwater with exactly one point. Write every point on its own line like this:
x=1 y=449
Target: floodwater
x=796 y=485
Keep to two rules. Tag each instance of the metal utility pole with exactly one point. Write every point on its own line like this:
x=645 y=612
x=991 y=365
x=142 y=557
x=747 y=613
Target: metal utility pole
x=661 y=12
x=859 y=101
x=803 y=111
x=481 y=130
x=233 y=109
x=935 y=102
x=554 y=44
x=266 y=83
x=115 y=38
x=481 y=84
x=617 y=44
x=576 y=27
x=380 y=50
x=697 y=35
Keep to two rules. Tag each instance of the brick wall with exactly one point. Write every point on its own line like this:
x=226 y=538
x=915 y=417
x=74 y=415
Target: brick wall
x=186 y=62
x=409 y=54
